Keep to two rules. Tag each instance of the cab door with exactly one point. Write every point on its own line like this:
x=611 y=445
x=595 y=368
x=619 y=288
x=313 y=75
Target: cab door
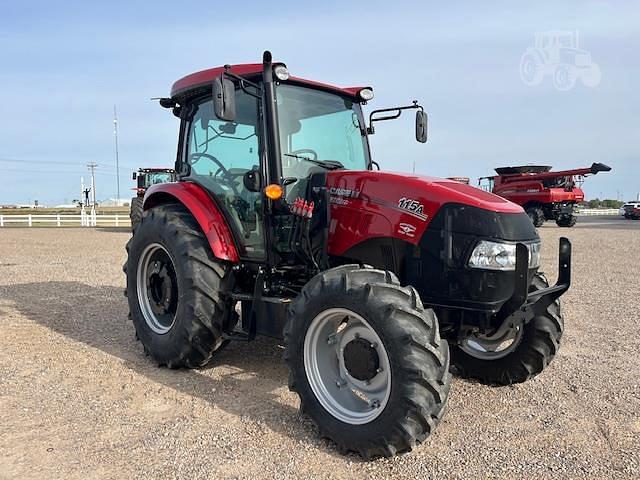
x=219 y=154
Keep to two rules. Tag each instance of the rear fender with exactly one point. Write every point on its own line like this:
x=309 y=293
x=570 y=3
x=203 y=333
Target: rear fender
x=204 y=210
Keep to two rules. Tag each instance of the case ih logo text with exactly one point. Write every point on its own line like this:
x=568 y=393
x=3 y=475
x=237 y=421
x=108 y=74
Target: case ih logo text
x=413 y=207
x=406 y=229
x=344 y=192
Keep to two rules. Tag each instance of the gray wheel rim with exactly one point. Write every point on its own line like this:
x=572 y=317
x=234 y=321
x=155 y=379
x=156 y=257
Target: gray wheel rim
x=157 y=300
x=487 y=347
x=348 y=399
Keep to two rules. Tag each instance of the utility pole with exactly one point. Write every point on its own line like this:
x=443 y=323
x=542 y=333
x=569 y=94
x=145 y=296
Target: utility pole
x=84 y=200
x=115 y=134
x=92 y=167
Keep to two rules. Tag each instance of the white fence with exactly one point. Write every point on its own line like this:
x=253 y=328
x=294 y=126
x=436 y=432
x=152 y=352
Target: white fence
x=122 y=220
x=65 y=220
x=598 y=211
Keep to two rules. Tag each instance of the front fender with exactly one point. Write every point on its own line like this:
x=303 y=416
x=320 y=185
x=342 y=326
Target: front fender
x=204 y=210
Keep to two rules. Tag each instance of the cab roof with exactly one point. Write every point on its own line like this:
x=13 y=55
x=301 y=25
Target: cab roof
x=197 y=80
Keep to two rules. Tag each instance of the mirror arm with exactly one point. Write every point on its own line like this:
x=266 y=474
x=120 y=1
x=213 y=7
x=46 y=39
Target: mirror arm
x=244 y=83
x=399 y=110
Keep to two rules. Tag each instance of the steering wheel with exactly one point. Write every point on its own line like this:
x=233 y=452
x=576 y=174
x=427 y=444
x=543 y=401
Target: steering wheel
x=306 y=150
x=225 y=177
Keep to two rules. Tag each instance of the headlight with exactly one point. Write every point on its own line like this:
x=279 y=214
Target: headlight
x=366 y=94
x=534 y=255
x=281 y=72
x=501 y=256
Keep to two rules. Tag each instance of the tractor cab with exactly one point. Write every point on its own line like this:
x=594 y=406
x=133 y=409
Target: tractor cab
x=146 y=177
x=245 y=132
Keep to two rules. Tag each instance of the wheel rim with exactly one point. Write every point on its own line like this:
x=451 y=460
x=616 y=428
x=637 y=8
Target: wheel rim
x=347 y=366
x=492 y=347
x=157 y=288
x=529 y=68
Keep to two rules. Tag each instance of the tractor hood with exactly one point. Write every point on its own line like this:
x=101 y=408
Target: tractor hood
x=431 y=192
x=366 y=204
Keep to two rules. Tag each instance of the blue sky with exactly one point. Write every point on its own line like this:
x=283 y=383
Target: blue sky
x=63 y=65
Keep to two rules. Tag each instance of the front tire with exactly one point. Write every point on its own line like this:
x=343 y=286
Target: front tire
x=135 y=213
x=367 y=361
x=566 y=221
x=536 y=215
x=533 y=347
x=176 y=289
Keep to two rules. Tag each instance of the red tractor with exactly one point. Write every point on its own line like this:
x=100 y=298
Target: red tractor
x=543 y=194
x=145 y=178
x=281 y=224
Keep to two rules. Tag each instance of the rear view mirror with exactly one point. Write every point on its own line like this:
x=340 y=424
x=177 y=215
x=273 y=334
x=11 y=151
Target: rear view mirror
x=224 y=99
x=421 y=126
x=252 y=180
x=134 y=176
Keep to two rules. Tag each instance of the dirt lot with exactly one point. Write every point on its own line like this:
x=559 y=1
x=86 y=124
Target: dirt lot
x=78 y=399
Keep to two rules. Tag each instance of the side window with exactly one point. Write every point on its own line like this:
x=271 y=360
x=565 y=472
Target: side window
x=220 y=153
x=233 y=144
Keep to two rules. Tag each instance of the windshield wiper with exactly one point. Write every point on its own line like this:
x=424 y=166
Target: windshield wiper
x=328 y=164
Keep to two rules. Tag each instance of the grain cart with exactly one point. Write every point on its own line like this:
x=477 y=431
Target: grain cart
x=146 y=177
x=375 y=281
x=543 y=194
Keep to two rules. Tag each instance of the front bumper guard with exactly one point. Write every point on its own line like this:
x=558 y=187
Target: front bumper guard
x=527 y=305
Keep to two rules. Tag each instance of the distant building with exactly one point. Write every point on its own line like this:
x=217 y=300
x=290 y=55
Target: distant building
x=113 y=202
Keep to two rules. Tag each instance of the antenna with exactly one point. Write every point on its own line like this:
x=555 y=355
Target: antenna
x=115 y=135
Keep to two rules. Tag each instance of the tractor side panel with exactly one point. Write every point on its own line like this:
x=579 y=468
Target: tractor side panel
x=203 y=209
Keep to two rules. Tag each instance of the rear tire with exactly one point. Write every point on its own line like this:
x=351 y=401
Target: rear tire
x=410 y=348
x=536 y=214
x=537 y=344
x=135 y=213
x=567 y=221
x=170 y=257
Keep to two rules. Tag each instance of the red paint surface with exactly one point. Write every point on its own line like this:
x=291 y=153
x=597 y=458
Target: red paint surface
x=523 y=188
x=207 y=76
x=531 y=191
x=374 y=211
x=204 y=210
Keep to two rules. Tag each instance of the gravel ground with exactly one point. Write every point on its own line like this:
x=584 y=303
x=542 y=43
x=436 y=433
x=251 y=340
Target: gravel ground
x=78 y=399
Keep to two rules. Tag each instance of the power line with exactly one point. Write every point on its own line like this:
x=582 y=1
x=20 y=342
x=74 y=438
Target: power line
x=81 y=168
x=54 y=162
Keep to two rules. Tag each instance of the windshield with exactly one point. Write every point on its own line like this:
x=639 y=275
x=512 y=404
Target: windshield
x=158 y=177
x=319 y=126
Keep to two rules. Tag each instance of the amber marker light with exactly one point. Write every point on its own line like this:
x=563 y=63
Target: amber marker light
x=273 y=191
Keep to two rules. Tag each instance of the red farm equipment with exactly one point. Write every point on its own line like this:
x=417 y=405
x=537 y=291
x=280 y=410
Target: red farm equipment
x=145 y=177
x=281 y=224
x=544 y=195
x=632 y=210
